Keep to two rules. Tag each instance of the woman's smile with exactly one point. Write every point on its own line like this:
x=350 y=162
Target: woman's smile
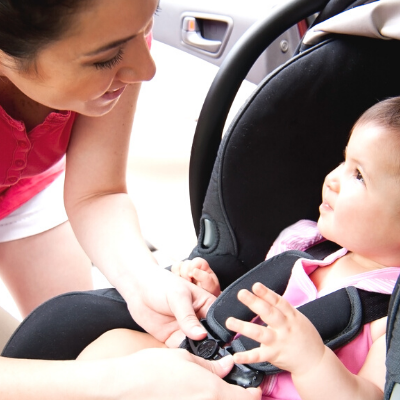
x=114 y=94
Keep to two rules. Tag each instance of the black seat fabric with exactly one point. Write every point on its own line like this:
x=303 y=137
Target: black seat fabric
x=290 y=134
x=62 y=327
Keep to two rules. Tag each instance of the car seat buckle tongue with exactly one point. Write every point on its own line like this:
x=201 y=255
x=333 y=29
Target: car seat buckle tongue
x=211 y=348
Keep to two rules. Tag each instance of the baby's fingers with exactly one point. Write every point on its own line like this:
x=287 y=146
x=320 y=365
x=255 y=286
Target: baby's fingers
x=259 y=333
x=253 y=356
x=272 y=308
x=180 y=270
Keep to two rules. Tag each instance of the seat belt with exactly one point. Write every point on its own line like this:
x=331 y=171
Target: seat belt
x=338 y=316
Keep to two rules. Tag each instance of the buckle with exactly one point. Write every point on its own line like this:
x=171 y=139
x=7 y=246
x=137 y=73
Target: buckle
x=211 y=348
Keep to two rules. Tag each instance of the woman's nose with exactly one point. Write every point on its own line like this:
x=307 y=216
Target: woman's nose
x=138 y=65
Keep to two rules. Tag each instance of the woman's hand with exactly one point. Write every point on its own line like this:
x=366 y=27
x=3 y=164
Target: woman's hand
x=290 y=341
x=198 y=271
x=167 y=306
x=176 y=374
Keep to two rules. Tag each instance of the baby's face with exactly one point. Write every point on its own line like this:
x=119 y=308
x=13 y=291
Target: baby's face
x=360 y=207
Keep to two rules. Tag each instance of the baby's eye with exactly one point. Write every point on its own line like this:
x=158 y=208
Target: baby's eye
x=359 y=176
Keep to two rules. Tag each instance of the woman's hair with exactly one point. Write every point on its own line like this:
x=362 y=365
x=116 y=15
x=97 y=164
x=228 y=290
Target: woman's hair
x=386 y=114
x=26 y=26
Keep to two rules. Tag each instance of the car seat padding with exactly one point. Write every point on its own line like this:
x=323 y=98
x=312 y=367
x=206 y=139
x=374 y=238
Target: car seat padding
x=62 y=327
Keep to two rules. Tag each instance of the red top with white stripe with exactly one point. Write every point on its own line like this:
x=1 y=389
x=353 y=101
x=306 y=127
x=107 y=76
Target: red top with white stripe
x=29 y=161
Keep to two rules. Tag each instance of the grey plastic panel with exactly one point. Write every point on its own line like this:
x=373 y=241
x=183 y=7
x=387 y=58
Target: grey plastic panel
x=396 y=392
x=239 y=16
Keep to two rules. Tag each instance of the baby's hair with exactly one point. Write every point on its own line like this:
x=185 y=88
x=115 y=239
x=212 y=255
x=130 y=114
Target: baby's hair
x=386 y=114
x=26 y=26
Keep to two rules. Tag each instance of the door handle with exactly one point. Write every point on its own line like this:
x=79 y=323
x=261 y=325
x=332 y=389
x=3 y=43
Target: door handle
x=191 y=35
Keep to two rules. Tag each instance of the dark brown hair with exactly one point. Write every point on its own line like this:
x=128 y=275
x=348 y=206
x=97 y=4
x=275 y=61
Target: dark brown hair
x=386 y=114
x=26 y=26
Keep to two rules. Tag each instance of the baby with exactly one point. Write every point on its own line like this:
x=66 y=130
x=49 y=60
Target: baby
x=360 y=211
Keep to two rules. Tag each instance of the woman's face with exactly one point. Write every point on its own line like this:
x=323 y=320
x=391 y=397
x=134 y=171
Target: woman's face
x=88 y=68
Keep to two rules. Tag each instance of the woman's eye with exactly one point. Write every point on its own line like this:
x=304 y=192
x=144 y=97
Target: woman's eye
x=110 y=63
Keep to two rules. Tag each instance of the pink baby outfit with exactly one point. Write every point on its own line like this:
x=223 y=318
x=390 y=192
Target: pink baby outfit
x=301 y=290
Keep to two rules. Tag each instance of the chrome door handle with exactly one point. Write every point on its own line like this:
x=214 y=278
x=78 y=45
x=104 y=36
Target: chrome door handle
x=191 y=35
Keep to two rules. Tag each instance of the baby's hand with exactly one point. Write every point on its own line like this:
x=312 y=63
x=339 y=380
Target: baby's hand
x=198 y=272
x=290 y=341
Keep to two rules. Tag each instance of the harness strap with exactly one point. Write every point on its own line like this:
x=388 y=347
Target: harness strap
x=273 y=273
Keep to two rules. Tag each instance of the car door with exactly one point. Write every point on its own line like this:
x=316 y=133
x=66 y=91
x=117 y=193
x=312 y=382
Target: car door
x=208 y=29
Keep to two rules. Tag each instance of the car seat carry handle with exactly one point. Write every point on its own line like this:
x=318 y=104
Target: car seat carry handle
x=223 y=90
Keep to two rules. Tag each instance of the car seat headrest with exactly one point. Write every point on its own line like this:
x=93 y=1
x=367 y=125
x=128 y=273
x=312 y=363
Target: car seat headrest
x=380 y=20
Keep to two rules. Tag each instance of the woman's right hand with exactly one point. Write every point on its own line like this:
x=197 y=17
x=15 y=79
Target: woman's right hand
x=173 y=374
x=165 y=305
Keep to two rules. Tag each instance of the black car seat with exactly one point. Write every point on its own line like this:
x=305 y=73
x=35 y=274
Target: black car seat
x=291 y=132
x=269 y=168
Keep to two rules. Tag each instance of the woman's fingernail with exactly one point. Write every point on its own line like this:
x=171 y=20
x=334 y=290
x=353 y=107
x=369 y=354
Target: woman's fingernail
x=226 y=362
x=198 y=330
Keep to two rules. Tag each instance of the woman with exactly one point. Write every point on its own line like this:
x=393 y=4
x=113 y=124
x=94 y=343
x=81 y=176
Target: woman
x=70 y=76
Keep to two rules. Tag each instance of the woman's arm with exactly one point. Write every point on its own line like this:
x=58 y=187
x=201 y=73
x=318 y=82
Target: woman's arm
x=96 y=178
x=169 y=374
x=105 y=222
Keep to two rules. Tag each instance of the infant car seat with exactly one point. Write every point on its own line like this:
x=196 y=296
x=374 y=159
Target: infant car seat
x=291 y=132
x=269 y=168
